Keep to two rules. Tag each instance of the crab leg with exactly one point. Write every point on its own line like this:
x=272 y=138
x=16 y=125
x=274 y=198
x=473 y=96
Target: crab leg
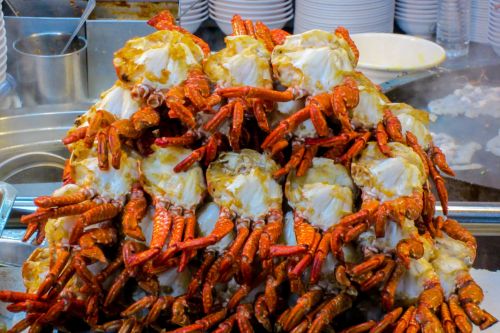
x=271 y=232
x=256 y=92
x=229 y=256
x=189 y=232
x=439 y=160
x=388 y=319
x=333 y=308
x=62 y=256
x=293 y=163
x=382 y=139
x=162 y=222
x=133 y=213
x=440 y=186
x=235 y=132
x=185 y=140
x=285 y=127
x=75 y=135
x=238 y=25
x=304 y=304
x=199 y=277
x=250 y=249
x=223 y=226
x=64 y=200
x=307 y=159
x=89 y=240
x=102 y=212
x=263 y=33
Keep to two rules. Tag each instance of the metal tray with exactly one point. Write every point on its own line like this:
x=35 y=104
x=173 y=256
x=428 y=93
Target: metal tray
x=420 y=89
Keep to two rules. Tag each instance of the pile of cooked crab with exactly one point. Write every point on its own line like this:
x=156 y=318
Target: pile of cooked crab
x=268 y=186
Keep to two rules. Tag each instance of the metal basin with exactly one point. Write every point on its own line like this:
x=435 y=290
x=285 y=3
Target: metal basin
x=14 y=252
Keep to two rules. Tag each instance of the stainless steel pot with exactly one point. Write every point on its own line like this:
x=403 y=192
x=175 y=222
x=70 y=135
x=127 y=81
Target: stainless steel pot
x=48 y=77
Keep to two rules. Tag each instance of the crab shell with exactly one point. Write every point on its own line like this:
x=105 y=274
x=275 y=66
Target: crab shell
x=243 y=182
x=58 y=231
x=452 y=258
x=386 y=178
x=117 y=100
x=243 y=62
x=185 y=189
x=161 y=59
x=111 y=184
x=323 y=195
x=370 y=109
x=313 y=62
x=35 y=268
x=413 y=120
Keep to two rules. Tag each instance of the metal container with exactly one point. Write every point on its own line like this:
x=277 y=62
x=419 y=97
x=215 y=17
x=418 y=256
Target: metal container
x=48 y=77
x=7 y=198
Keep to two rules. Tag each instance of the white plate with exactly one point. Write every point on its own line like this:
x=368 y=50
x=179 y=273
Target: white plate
x=416 y=28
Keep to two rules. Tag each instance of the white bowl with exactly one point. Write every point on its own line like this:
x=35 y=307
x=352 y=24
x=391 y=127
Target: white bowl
x=260 y=17
x=249 y=3
x=415 y=18
x=248 y=7
x=192 y=26
x=227 y=29
x=254 y=11
x=416 y=28
x=196 y=9
x=194 y=17
x=386 y=56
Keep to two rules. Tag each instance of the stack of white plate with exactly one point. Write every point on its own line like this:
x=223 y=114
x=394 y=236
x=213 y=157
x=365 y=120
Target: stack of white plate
x=494 y=25
x=3 y=47
x=192 y=13
x=417 y=17
x=273 y=13
x=357 y=16
x=479 y=21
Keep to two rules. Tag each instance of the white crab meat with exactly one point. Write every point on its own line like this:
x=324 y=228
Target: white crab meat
x=323 y=195
x=413 y=280
x=413 y=120
x=161 y=59
x=285 y=109
x=207 y=217
x=386 y=178
x=370 y=109
x=57 y=231
x=243 y=62
x=111 y=184
x=35 y=268
x=117 y=100
x=452 y=259
x=448 y=269
x=243 y=182
x=313 y=62
x=288 y=235
x=185 y=189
